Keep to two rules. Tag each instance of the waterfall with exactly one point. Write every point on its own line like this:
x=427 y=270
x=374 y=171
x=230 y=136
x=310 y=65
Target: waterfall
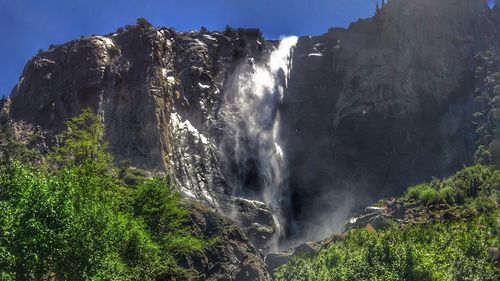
x=251 y=147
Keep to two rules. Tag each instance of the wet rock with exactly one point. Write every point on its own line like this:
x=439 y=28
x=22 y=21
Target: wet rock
x=403 y=212
x=307 y=248
x=275 y=260
x=231 y=257
x=333 y=238
x=372 y=214
x=255 y=219
x=381 y=222
x=448 y=216
x=370 y=228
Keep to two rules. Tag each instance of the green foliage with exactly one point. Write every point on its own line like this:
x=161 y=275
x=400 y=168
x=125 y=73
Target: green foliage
x=467 y=186
x=456 y=250
x=486 y=120
x=76 y=221
x=143 y=23
x=83 y=144
x=159 y=205
x=131 y=176
x=451 y=251
x=424 y=194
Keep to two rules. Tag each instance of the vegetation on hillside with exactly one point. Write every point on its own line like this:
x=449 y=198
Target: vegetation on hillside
x=71 y=216
x=473 y=189
x=454 y=250
x=487 y=101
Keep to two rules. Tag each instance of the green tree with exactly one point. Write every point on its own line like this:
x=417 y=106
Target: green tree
x=83 y=143
x=143 y=23
x=77 y=221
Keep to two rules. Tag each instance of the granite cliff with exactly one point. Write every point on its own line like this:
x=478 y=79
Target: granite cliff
x=366 y=110
x=383 y=104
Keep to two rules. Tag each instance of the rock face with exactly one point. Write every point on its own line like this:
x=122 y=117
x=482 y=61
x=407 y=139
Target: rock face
x=231 y=257
x=367 y=110
x=255 y=219
x=158 y=92
x=381 y=105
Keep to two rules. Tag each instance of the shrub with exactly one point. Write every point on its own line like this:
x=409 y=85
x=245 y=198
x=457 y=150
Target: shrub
x=131 y=176
x=430 y=197
x=143 y=23
x=468 y=184
x=450 y=195
x=424 y=194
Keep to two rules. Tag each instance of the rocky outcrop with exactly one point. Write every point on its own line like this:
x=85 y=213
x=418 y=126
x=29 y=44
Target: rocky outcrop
x=256 y=220
x=231 y=256
x=275 y=260
x=387 y=103
x=403 y=212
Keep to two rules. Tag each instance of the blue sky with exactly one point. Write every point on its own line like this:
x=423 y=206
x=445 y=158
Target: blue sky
x=27 y=26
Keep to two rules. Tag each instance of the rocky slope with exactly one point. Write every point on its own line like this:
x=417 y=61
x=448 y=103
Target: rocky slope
x=368 y=109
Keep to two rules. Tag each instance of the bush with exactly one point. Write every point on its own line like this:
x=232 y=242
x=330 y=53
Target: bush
x=470 y=183
x=430 y=197
x=451 y=195
x=425 y=194
x=143 y=23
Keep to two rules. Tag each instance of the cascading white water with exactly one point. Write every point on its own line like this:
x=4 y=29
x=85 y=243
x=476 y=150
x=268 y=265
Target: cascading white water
x=252 y=97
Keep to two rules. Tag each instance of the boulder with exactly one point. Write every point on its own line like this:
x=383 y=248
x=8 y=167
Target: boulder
x=275 y=260
x=230 y=257
x=333 y=238
x=307 y=248
x=374 y=215
x=255 y=219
